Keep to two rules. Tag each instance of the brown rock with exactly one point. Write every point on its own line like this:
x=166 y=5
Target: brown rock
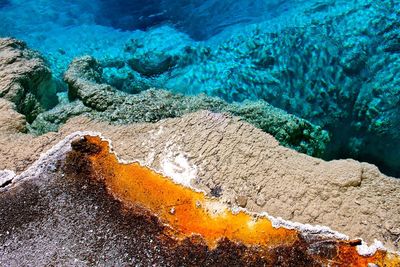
x=241 y=201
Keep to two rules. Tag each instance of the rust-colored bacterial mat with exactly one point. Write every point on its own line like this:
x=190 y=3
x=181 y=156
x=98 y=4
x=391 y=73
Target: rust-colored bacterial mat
x=187 y=213
x=89 y=209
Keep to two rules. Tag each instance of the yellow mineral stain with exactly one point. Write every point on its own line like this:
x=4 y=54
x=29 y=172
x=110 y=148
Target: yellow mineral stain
x=189 y=212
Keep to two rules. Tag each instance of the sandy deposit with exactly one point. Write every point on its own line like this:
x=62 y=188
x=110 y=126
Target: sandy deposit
x=248 y=166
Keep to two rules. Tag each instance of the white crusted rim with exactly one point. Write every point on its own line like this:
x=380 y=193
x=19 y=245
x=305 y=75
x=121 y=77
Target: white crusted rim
x=6 y=176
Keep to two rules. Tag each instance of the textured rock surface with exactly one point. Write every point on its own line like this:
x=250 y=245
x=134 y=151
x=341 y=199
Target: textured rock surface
x=241 y=160
x=79 y=206
x=10 y=120
x=25 y=79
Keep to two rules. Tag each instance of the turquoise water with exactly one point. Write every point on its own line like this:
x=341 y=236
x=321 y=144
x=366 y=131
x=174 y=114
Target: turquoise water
x=334 y=63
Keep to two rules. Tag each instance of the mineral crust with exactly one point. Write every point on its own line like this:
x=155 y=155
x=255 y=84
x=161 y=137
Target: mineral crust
x=82 y=206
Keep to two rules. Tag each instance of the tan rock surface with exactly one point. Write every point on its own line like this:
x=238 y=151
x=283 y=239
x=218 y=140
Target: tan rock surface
x=219 y=151
x=25 y=78
x=10 y=120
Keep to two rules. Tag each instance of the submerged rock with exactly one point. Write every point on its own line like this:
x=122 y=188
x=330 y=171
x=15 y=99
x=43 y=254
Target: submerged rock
x=157 y=51
x=102 y=101
x=51 y=120
x=325 y=70
x=25 y=79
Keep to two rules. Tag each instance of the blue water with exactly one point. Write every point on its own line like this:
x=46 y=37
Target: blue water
x=73 y=28
x=198 y=18
x=335 y=63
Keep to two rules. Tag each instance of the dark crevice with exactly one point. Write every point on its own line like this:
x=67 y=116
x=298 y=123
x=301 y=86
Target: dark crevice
x=6 y=183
